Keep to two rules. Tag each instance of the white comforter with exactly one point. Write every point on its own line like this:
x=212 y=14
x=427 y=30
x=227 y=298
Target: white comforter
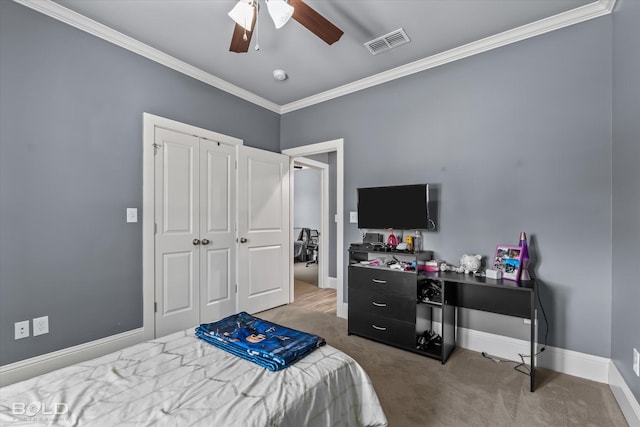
x=179 y=380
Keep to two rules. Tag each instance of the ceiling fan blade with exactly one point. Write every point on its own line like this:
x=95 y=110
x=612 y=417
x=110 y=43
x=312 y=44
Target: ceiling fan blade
x=315 y=22
x=238 y=44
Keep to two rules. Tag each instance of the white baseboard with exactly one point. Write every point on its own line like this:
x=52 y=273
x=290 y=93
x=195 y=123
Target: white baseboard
x=569 y=362
x=628 y=403
x=44 y=363
x=343 y=310
x=332 y=283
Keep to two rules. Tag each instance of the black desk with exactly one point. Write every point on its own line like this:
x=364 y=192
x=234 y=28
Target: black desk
x=496 y=296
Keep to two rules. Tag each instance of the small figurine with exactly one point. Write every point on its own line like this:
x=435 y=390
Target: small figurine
x=471 y=263
x=446 y=267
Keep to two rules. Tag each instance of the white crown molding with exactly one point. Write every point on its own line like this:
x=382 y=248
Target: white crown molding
x=565 y=19
x=90 y=26
x=571 y=17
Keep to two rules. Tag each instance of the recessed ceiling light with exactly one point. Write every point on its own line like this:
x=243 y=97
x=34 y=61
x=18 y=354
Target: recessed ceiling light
x=279 y=75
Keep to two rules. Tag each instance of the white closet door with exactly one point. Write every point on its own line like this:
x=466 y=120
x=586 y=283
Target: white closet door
x=217 y=230
x=177 y=248
x=263 y=229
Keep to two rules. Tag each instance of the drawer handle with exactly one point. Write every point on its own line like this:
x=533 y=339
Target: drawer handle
x=379 y=304
x=378 y=281
x=380 y=328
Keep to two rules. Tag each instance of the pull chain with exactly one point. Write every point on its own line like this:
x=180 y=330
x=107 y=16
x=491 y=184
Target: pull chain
x=257 y=27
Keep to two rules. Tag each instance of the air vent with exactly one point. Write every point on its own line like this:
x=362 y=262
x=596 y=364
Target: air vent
x=388 y=41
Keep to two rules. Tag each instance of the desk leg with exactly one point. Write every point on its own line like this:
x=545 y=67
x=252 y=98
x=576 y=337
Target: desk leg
x=533 y=346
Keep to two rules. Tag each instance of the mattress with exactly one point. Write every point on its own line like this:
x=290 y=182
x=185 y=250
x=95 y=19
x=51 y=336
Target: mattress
x=180 y=380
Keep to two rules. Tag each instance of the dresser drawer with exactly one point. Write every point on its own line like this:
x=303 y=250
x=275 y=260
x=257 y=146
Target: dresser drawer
x=383 y=304
x=382 y=281
x=386 y=330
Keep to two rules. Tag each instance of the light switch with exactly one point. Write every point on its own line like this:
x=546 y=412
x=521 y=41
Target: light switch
x=40 y=325
x=353 y=217
x=132 y=214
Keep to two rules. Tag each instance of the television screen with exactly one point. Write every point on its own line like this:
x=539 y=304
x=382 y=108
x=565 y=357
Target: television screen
x=402 y=207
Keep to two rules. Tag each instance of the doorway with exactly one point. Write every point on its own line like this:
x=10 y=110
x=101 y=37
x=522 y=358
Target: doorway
x=311 y=209
x=334 y=254
x=310 y=185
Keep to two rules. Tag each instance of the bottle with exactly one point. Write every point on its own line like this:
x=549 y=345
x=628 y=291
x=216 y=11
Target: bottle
x=392 y=241
x=409 y=241
x=417 y=242
x=524 y=274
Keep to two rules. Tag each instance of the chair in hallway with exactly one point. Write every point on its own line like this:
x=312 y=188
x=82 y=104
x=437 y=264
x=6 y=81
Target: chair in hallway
x=312 y=248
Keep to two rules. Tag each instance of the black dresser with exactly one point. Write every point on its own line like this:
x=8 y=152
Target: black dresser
x=388 y=305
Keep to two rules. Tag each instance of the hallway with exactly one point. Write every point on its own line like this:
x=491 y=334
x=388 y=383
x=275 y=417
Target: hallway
x=306 y=292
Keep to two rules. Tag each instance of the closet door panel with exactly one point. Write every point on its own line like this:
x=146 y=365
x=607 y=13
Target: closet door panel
x=217 y=230
x=177 y=249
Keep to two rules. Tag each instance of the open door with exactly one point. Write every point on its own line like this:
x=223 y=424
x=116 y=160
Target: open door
x=263 y=230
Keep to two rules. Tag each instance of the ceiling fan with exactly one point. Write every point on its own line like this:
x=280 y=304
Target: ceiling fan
x=245 y=13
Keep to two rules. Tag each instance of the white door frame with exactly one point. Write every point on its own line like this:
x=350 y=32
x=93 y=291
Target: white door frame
x=323 y=243
x=150 y=123
x=337 y=146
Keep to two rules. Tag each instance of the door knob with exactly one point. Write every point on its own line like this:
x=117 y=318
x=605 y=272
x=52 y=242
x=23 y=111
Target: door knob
x=205 y=241
x=196 y=242
x=243 y=240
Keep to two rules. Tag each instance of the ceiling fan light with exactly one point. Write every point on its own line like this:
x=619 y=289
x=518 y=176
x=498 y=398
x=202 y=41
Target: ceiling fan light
x=280 y=12
x=242 y=14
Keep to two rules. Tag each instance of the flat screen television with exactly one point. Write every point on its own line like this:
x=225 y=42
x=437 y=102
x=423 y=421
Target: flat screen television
x=401 y=207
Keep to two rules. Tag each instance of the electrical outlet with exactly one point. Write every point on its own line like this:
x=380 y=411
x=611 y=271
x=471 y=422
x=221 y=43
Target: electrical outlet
x=40 y=325
x=636 y=362
x=353 y=217
x=22 y=329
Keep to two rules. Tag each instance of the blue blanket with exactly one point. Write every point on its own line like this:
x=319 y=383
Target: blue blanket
x=270 y=345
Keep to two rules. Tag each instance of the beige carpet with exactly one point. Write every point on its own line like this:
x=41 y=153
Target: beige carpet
x=468 y=391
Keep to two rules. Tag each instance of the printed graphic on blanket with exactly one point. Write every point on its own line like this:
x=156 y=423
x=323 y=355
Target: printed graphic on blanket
x=268 y=344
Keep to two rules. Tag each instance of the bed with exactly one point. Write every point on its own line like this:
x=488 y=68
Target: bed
x=180 y=380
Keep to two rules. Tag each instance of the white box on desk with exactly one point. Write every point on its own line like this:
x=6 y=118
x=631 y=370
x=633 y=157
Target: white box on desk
x=493 y=274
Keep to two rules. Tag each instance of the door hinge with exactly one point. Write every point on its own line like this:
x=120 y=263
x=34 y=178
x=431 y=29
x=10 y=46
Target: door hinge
x=156 y=147
x=236 y=289
x=155 y=307
x=155 y=228
x=236 y=165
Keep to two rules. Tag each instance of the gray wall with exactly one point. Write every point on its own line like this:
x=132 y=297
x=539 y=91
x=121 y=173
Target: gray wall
x=307 y=199
x=71 y=163
x=626 y=189
x=520 y=140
